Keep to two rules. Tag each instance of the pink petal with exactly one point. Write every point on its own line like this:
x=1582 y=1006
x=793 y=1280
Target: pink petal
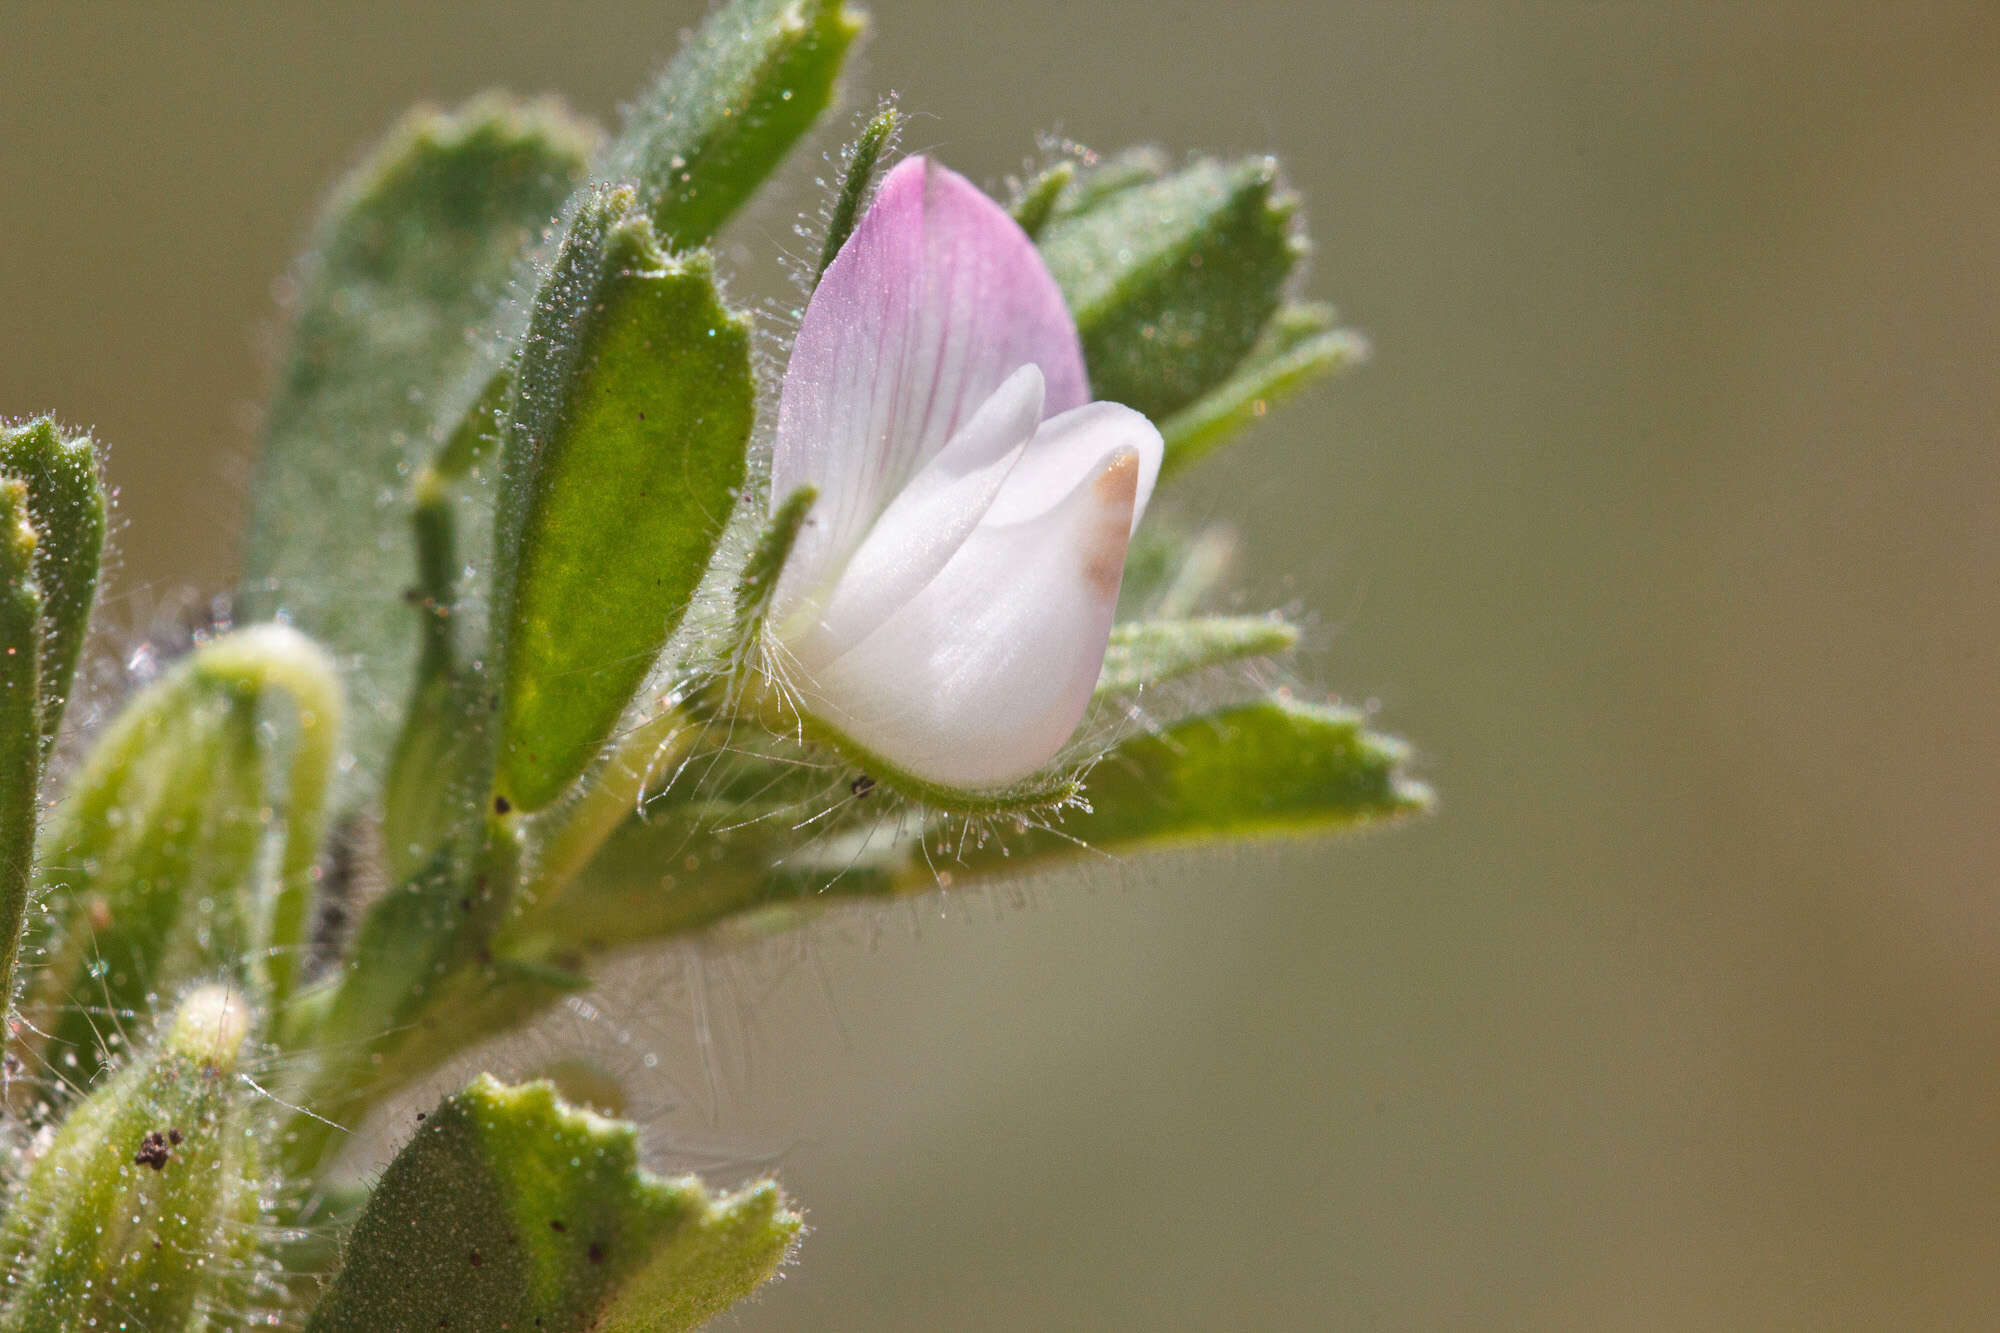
x=936 y=298
x=925 y=524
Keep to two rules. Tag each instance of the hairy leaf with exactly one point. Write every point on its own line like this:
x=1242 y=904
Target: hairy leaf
x=408 y=262
x=753 y=79
x=511 y=1209
x=1150 y=652
x=623 y=451
x=1272 y=767
x=1172 y=280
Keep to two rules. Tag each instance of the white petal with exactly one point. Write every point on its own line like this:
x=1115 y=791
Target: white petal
x=935 y=299
x=921 y=529
x=979 y=680
x=1066 y=449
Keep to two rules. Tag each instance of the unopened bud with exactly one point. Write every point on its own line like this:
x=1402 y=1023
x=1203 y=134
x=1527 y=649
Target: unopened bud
x=139 y=1208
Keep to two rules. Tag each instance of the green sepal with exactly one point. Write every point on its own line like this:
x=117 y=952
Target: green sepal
x=1034 y=202
x=1301 y=346
x=1152 y=652
x=409 y=258
x=759 y=578
x=1096 y=178
x=141 y=1210
x=66 y=506
x=512 y=1209
x=623 y=450
x=1172 y=280
x=860 y=161
x=750 y=82
x=153 y=866
x=22 y=641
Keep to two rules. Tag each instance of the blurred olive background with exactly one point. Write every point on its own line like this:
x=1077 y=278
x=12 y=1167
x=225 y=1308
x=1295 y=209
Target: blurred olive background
x=1663 y=522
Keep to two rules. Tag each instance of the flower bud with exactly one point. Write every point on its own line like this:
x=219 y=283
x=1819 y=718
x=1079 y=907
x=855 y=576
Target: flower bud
x=65 y=506
x=154 y=866
x=138 y=1210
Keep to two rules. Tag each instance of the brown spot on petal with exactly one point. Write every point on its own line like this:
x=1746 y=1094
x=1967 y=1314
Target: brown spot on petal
x=1116 y=488
x=1118 y=484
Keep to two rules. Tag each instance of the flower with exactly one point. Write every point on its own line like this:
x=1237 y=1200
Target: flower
x=946 y=606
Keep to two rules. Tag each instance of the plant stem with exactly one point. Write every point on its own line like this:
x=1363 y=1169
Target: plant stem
x=576 y=831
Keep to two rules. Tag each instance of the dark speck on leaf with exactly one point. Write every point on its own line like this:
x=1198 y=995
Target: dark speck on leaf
x=153 y=1151
x=862 y=785
x=174 y=1136
x=596 y=1253
x=501 y=805
x=557 y=1226
x=476 y=1260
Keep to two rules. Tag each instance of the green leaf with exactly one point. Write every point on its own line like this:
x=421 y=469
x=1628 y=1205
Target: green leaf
x=65 y=501
x=753 y=79
x=408 y=261
x=153 y=864
x=624 y=448
x=21 y=748
x=1172 y=280
x=510 y=1209
x=1273 y=768
x=1301 y=346
x=780 y=835
x=1276 y=767
x=1150 y=652
x=141 y=1210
